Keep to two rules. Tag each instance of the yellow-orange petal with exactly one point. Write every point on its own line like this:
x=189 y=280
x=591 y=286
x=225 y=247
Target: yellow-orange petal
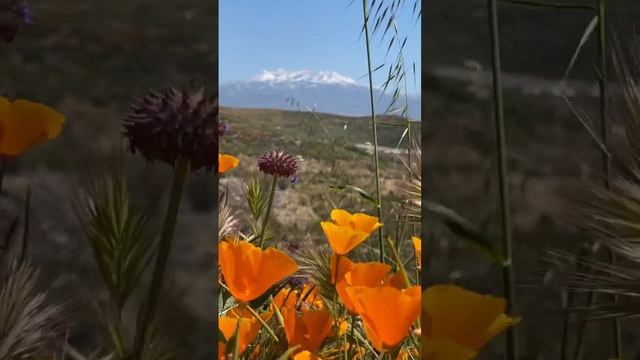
x=340 y=264
x=249 y=271
x=370 y=274
x=386 y=329
x=25 y=124
x=247 y=330
x=365 y=223
x=358 y=221
x=227 y=162
x=341 y=217
x=308 y=329
x=417 y=245
x=342 y=239
x=466 y=318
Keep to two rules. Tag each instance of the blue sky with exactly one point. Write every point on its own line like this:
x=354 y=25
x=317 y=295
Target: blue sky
x=317 y=35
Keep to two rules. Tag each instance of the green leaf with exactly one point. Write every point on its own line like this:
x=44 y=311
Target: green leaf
x=465 y=230
x=365 y=195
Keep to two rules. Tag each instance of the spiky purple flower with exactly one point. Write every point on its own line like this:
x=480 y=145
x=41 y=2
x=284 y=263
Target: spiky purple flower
x=14 y=14
x=278 y=163
x=175 y=123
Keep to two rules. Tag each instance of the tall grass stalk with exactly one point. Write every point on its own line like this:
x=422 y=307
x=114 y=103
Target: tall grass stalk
x=376 y=163
x=265 y=221
x=2 y=166
x=605 y=130
x=501 y=144
x=164 y=248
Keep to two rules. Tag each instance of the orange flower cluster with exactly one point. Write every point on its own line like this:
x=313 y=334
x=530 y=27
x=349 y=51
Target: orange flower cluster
x=369 y=289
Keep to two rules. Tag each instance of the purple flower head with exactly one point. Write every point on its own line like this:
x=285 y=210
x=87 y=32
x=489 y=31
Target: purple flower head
x=175 y=123
x=278 y=163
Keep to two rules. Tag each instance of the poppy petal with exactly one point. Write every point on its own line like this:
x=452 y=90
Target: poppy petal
x=227 y=162
x=342 y=239
x=26 y=124
x=388 y=328
x=463 y=316
x=250 y=271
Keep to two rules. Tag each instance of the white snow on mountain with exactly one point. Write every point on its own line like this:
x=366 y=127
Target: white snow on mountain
x=304 y=76
x=327 y=91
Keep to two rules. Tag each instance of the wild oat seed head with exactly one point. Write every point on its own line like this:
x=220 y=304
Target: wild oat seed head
x=278 y=163
x=175 y=123
x=14 y=14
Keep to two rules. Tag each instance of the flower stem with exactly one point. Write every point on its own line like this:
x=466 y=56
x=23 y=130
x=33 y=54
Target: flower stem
x=2 y=165
x=376 y=163
x=605 y=131
x=265 y=221
x=501 y=144
x=164 y=248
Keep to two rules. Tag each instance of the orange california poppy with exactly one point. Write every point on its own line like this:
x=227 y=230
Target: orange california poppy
x=308 y=328
x=417 y=245
x=226 y=163
x=249 y=271
x=386 y=329
x=370 y=274
x=249 y=328
x=460 y=321
x=347 y=231
x=24 y=124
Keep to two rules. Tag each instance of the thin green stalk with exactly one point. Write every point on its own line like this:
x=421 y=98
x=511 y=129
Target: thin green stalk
x=376 y=163
x=2 y=166
x=501 y=144
x=25 y=229
x=180 y=174
x=605 y=130
x=265 y=222
x=567 y=318
x=583 y=328
x=236 y=342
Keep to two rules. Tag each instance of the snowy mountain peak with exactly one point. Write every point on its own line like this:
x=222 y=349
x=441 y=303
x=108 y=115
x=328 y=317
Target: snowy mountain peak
x=304 y=76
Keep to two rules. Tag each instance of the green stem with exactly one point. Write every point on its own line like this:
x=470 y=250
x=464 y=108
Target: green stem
x=376 y=163
x=265 y=221
x=179 y=178
x=501 y=144
x=583 y=328
x=2 y=166
x=25 y=230
x=605 y=130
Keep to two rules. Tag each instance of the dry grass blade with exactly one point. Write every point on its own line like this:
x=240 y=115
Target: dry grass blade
x=228 y=225
x=30 y=327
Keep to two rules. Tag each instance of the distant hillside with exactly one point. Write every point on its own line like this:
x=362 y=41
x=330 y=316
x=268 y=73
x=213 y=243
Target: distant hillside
x=323 y=91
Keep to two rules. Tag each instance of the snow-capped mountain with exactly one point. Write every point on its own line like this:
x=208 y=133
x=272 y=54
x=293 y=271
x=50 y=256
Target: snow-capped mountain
x=324 y=91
